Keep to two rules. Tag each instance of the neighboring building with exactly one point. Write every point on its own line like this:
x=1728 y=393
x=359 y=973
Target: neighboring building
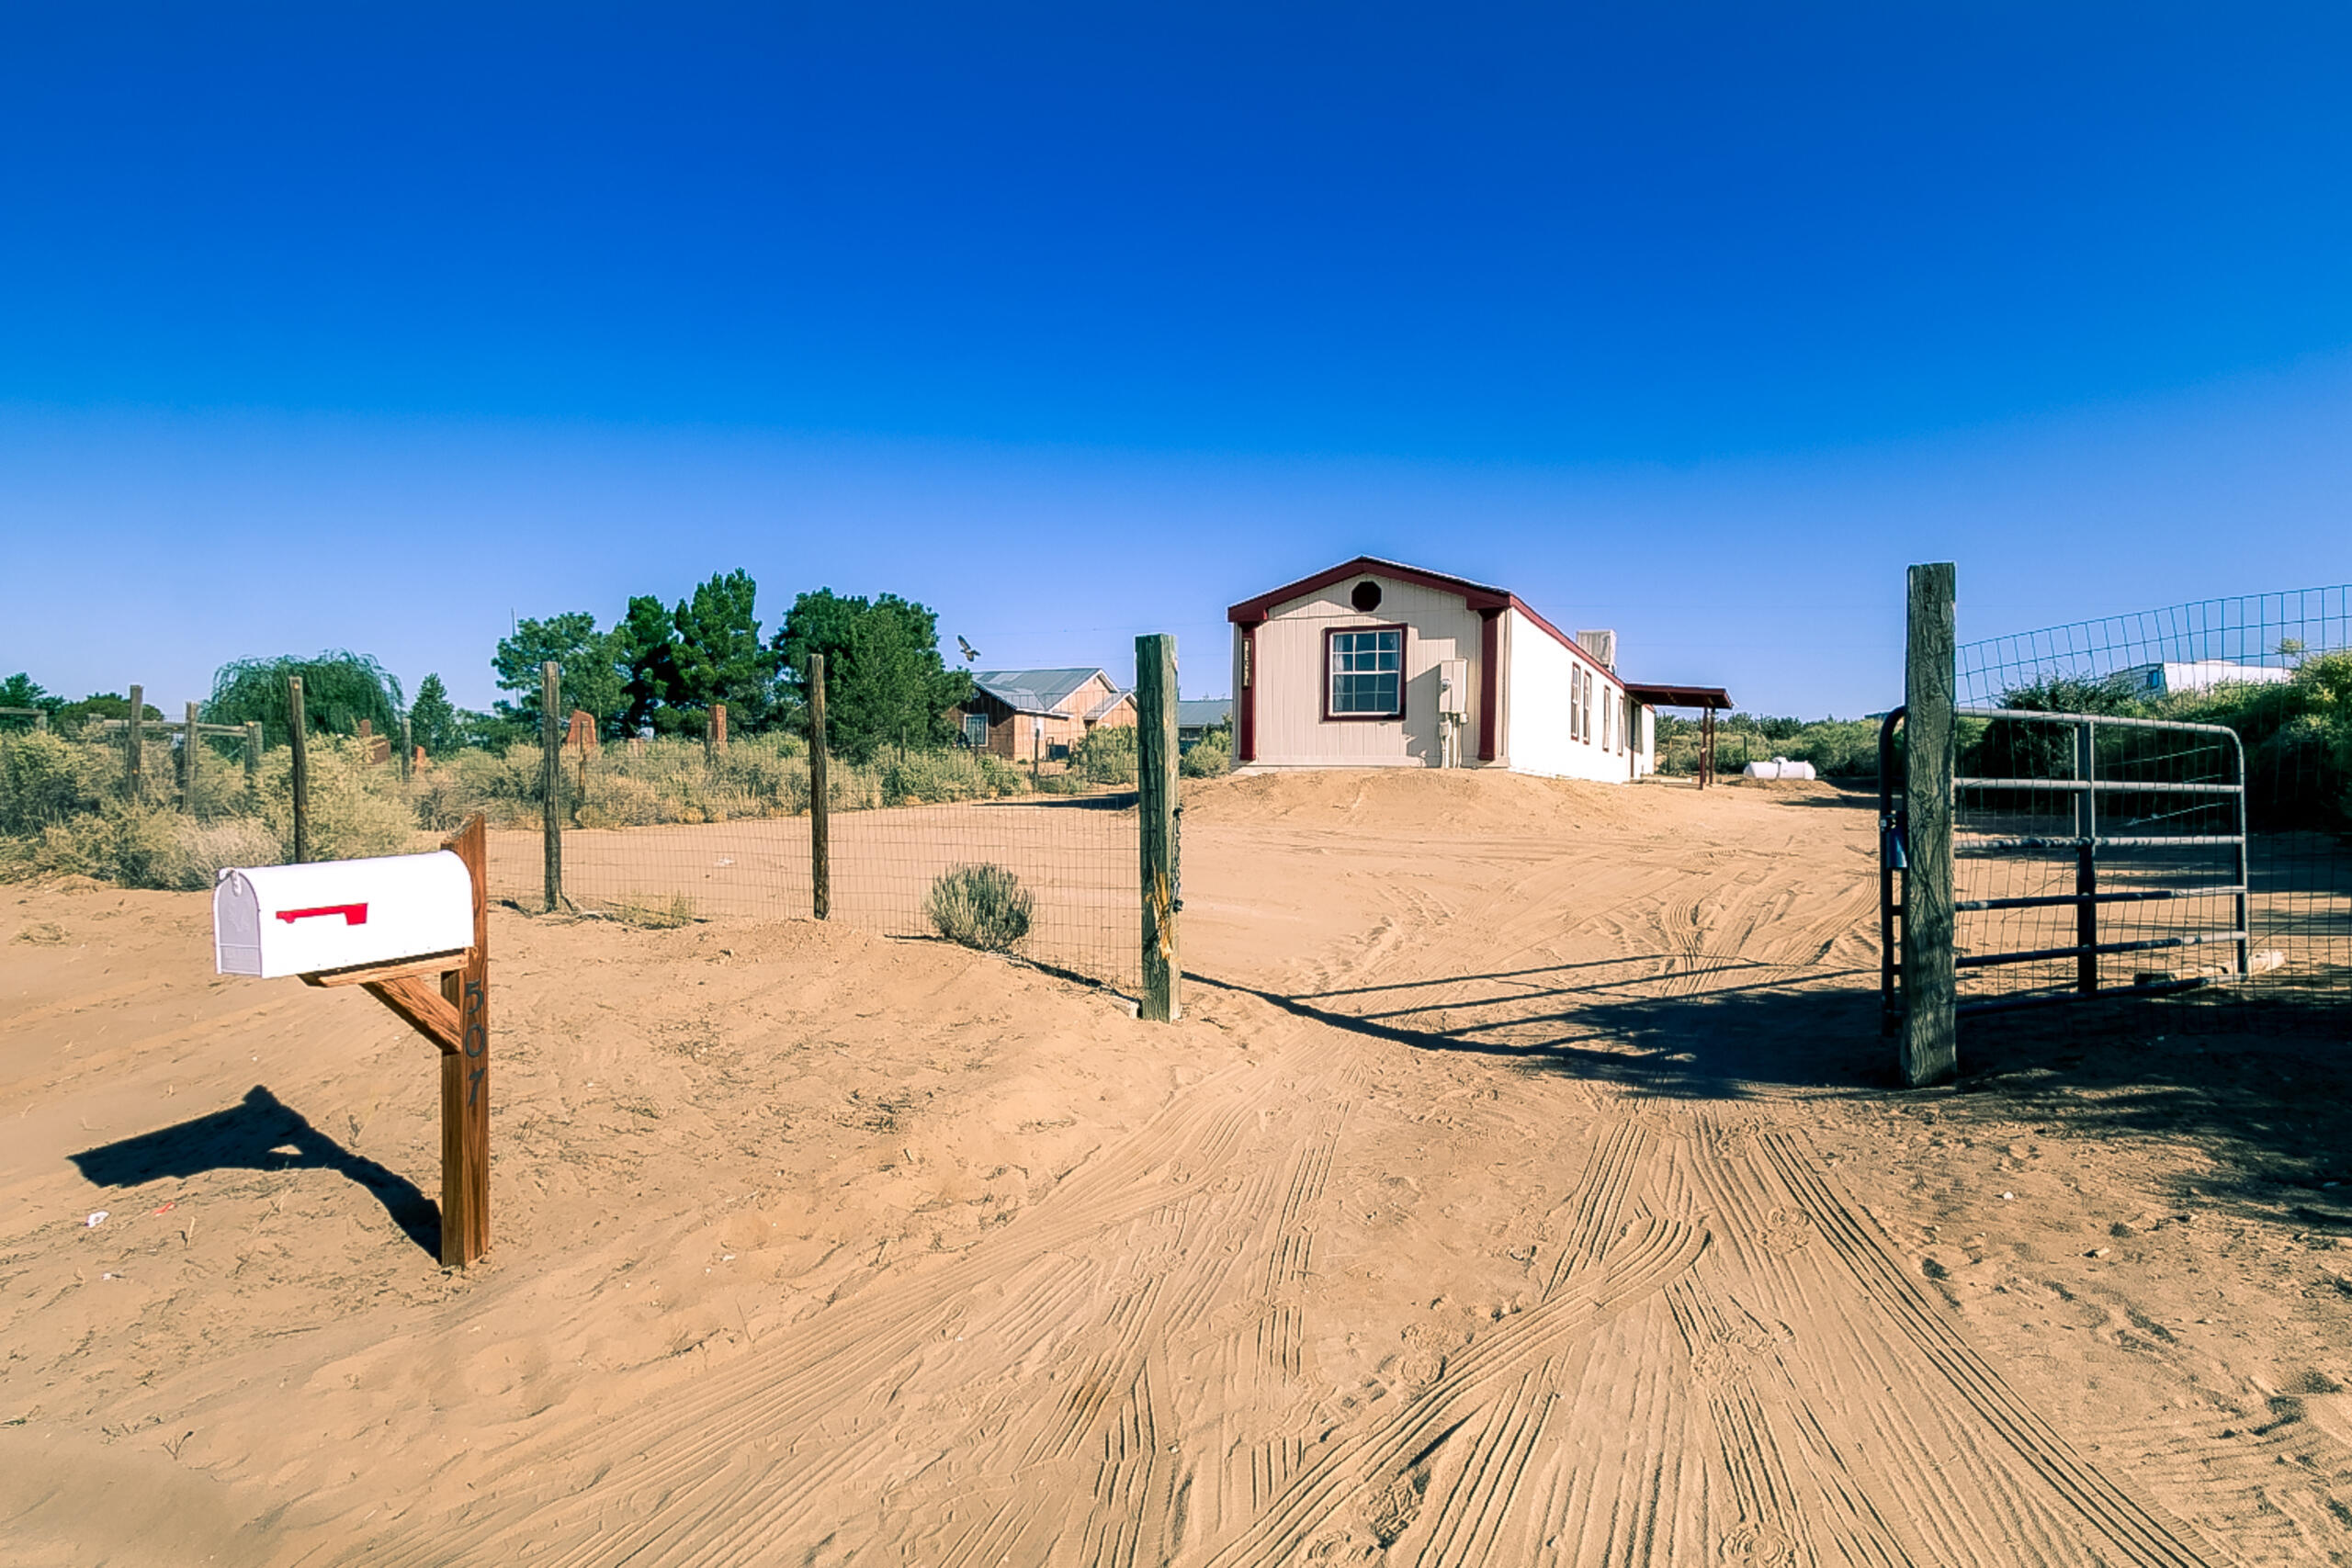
x=1026 y=714
x=1195 y=719
x=2197 y=676
x=1376 y=664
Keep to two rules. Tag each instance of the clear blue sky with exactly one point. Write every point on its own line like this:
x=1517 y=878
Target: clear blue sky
x=371 y=326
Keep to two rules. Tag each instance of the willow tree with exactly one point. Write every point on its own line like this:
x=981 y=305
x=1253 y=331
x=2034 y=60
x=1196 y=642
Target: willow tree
x=339 y=689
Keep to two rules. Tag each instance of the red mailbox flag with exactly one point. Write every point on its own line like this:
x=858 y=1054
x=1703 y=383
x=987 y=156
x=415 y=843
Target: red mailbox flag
x=353 y=914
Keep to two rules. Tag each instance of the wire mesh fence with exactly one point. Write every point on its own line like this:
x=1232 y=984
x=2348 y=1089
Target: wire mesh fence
x=953 y=845
x=2191 y=821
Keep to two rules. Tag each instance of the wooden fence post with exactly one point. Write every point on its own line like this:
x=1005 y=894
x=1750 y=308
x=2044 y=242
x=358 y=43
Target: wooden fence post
x=1163 y=967
x=1930 y=1042
x=408 y=751
x=820 y=840
x=465 y=1074
x=298 y=736
x=134 y=731
x=253 y=756
x=189 y=740
x=552 y=781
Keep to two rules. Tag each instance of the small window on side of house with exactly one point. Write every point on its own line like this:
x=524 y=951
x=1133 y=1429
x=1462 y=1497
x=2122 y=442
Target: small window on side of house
x=976 y=729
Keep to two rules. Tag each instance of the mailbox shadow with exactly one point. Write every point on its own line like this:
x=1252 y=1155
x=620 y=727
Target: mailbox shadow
x=259 y=1132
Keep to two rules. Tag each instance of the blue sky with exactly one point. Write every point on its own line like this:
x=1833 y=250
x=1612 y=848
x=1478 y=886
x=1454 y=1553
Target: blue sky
x=372 y=328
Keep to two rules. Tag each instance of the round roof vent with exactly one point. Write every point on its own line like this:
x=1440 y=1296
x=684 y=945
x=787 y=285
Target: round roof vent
x=1366 y=596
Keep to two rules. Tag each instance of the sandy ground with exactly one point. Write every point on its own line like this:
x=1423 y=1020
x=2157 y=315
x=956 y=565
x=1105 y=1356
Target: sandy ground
x=1077 y=854
x=1524 y=1186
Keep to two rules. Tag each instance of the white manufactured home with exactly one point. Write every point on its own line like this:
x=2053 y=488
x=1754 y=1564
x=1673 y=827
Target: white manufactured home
x=1376 y=664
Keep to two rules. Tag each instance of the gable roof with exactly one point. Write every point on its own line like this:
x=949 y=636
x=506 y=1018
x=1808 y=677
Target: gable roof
x=1479 y=596
x=1203 y=713
x=1034 y=691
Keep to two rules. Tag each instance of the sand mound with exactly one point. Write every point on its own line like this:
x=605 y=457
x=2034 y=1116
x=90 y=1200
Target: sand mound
x=1447 y=800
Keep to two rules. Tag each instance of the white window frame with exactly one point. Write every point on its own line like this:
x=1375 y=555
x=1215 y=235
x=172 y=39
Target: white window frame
x=1335 y=666
x=981 y=742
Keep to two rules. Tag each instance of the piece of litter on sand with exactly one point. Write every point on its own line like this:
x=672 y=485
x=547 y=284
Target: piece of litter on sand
x=110 y=1276
x=2008 y=1197
x=725 y=860
x=98 y=1218
x=168 y=1207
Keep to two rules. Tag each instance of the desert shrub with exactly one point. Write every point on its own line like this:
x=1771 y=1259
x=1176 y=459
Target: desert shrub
x=938 y=778
x=653 y=914
x=849 y=787
x=624 y=800
x=1211 y=756
x=45 y=779
x=1838 y=748
x=1105 y=756
x=1069 y=782
x=142 y=846
x=356 y=809
x=502 y=785
x=982 y=906
x=2298 y=737
x=638 y=784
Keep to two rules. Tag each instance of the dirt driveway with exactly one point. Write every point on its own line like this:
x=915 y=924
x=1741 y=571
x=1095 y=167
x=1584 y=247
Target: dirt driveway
x=1522 y=1188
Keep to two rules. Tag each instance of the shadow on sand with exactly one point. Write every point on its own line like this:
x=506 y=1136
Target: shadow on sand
x=2259 y=1085
x=259 y=1132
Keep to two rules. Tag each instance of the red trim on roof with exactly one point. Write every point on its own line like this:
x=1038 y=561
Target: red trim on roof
x=1571 y=644
x=1478 y=595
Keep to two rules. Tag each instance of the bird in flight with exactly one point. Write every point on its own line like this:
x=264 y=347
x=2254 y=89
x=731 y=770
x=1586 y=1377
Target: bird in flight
x=971 y=654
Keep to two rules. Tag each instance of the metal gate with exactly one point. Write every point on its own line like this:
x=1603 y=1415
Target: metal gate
x=2082 y=842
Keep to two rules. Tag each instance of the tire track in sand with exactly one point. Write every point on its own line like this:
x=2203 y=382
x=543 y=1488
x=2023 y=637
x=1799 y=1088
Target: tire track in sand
x=1371 y=1460
x=2120 y=1527
x=1479 y=1498
x=717 y=1466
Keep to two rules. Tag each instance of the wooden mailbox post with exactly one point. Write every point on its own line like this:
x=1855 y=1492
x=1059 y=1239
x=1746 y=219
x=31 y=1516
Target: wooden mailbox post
x=442 y=993
x=456 y=1017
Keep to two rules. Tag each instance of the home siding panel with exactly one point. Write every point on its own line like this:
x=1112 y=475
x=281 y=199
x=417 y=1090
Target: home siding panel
x=1289 y=680
x=1540 y=671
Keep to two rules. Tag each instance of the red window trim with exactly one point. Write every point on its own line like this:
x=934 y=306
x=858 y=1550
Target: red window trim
x=1404 y=644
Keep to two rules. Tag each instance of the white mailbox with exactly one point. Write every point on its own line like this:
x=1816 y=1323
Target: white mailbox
x=274 y=920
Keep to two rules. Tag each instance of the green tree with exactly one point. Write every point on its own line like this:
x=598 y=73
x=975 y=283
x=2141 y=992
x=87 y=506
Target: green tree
x=592 y=679
x=339 y=689
x=495 y=731
x=719 y=657
x=21 y=691
x=432 y=719
x=100 y=704
x=645 y=648
x=885 y=682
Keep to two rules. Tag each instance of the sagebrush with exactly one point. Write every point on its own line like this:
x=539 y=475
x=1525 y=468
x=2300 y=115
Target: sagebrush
x=981 y=905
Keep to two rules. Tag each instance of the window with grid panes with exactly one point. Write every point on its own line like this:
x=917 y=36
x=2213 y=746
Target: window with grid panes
x=1367 y=675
